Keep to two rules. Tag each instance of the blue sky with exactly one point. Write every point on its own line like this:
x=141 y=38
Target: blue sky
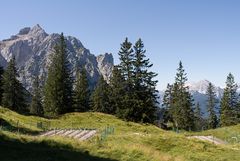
x=204 y=34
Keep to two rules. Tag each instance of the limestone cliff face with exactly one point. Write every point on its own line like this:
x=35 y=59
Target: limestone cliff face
x=33 y=47
x=105 y=65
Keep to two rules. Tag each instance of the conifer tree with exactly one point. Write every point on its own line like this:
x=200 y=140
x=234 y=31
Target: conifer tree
x=126 y=69
x=1 y=84
x=229 y=103
x=81 y=92
x=36 y=107
x=58 y=87
x=168 y=104
x=167 y=97
x=226 y=111
x=117 y=92
x=100 y=97
x=126 y=63
x=198 y=118
x=182 y=112
x=140 y=99
x=144 y=89
x=14 y=94
x=211 y=107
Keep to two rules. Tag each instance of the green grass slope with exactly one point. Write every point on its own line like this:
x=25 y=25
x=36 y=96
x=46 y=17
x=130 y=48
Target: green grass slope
x=130 y=141
x=230 y=134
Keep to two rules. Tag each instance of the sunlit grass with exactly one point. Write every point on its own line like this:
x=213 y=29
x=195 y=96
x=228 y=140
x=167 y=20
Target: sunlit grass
x=130 y=141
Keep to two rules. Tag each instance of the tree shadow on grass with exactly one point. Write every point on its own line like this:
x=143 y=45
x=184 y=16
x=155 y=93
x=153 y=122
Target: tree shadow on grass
x=9 y=127
x=20 y=150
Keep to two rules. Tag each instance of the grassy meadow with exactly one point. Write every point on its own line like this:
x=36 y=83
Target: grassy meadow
x=130 y=141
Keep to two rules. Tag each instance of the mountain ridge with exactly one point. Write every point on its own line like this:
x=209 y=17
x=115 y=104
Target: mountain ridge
x=32 y=48
x=198 y=90
x=201 y=87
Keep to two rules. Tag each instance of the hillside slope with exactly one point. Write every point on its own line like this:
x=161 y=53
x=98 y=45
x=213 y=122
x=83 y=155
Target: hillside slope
x=230 y=134
x=130 y=141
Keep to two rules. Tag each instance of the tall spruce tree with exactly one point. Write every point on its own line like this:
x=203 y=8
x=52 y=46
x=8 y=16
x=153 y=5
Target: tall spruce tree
x=14 y=96
x=140 y=98
x=1 y=84
x=81 y=92
x=229 y=103
x=182 y=112
x=211 y=107
x=117 y=92
x=58 y=87
x=100 y=97
x=36 y=107
x=167 y=104
x=198 y=120
x=144 y=89
x=126 y=69
x=167 y=97
x=126 y=63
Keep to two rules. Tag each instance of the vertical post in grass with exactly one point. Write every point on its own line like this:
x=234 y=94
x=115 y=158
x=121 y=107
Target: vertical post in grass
x=17 y=127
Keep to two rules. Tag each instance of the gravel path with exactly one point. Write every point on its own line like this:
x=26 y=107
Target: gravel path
x=209 y=139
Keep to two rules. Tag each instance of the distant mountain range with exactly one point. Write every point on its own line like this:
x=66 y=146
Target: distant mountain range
x=32 y=48
x=198 y=91
x=201 y=87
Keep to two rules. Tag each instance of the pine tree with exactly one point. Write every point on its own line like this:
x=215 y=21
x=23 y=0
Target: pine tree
x=81 y=92
x=36 y=107
x=100 y=97
x=182 y=112
x=58 y=87
x=14 y=94
x=211 y=107
x=126 y=69
x=198 y=118
x=1 y=84
x=144 y=89
x=168 y=104
x=229 y=103
x=226 y=112
x=139 y=99
x=117 y=92
x=126 y=63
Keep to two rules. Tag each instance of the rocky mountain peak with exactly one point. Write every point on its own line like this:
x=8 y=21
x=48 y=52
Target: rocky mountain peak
x=33 y=47
x=24 y=31
x=107 y=57
x=200 y=86
x=36 y=30
x=104 y=64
